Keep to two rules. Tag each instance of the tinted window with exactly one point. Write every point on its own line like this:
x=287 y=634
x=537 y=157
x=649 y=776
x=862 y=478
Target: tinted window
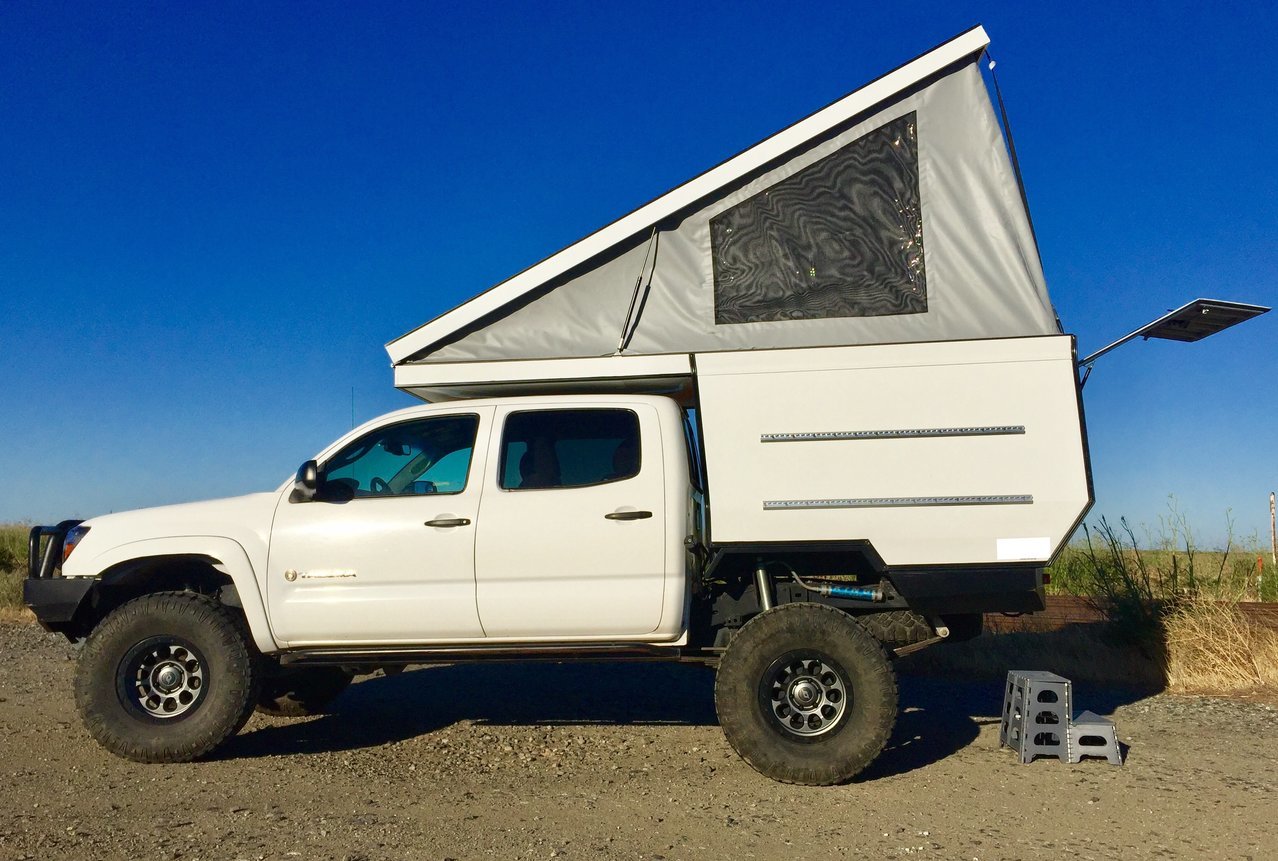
x=418 y=457
x=841 y=238
x=569 y=448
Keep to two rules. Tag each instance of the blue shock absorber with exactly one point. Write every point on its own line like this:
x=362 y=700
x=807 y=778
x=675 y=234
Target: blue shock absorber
x=858 y=592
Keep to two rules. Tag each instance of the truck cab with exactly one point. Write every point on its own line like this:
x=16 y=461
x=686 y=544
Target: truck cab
x=519 y=520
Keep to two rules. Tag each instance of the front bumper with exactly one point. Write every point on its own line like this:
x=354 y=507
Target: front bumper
x=54 y=599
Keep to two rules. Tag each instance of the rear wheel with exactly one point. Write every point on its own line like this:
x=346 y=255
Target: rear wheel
x=302 y=692
x=806 y=695
x=166 y=678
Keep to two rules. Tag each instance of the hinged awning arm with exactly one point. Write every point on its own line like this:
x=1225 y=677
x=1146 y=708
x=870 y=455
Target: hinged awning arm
x=1191 y=322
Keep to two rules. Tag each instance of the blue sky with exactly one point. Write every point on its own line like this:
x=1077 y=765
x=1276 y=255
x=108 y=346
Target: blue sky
x=213 y=216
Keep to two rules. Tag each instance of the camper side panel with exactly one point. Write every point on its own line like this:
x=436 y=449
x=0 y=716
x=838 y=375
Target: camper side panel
x=967 y=452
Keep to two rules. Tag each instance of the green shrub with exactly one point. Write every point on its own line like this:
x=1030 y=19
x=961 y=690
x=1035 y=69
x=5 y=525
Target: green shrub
x=13 y=567
x=1137 y=589
x=1121 y=584
x=13 y=547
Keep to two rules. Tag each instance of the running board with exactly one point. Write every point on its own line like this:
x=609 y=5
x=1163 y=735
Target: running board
x=400 y=655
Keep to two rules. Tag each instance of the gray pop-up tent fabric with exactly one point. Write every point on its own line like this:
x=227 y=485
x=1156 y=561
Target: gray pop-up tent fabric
x=901 y=223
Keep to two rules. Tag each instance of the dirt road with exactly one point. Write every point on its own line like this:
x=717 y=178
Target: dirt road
x=619 y=762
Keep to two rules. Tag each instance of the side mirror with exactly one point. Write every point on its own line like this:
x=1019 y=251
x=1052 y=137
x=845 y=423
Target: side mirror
x=306 y=483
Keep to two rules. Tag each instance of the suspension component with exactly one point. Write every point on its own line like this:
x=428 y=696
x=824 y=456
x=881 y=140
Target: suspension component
x=836 y=590
x=763 y=585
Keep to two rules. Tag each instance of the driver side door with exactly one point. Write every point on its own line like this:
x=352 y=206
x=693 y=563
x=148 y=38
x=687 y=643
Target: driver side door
x=385 y=553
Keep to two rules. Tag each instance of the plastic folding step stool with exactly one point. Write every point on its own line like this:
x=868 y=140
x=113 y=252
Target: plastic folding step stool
x=1092 y=735
x=1036 y=715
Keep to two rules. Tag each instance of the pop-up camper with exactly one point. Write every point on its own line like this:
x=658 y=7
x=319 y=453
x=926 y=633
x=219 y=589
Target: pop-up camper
x=808 y=411
x=855 y=307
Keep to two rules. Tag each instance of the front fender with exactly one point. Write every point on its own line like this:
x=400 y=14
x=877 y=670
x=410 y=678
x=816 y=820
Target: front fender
x=226 y=554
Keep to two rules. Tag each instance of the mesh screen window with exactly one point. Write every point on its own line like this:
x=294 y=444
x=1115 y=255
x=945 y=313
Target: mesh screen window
x=841 y=238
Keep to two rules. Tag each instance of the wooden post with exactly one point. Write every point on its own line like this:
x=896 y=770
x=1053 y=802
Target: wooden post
x=1273 y=533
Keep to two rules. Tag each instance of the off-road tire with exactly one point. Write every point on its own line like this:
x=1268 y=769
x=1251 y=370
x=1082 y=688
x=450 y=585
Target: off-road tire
x=897 y=628
x=197 y=639
x=744 y=694
x=302 y=692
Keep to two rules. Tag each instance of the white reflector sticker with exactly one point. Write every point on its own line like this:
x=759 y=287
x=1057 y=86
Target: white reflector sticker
x=1018 y=549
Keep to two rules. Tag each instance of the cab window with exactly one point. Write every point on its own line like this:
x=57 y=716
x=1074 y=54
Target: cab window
x=426 y=456
x=569 y=448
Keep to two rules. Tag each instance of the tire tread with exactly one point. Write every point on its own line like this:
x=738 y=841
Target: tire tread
x=736 y=705
x=95 y=695
x=896 y=628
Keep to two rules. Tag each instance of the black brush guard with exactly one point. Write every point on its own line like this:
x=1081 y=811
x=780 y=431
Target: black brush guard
x=44 y=548
x=52 y=598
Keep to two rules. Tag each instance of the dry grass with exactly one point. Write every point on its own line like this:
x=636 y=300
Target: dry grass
x=11 y=608
x=1175 y=606
x=13 y=563
x=1206 y=647
x=1211 y=648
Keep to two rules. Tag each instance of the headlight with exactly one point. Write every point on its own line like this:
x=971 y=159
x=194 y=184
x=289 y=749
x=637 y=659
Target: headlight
x=74 y=534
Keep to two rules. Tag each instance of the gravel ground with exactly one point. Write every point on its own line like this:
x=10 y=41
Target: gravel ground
x=619 y=761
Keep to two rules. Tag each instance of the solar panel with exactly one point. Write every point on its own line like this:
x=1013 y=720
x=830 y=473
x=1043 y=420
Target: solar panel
x=1191 y=322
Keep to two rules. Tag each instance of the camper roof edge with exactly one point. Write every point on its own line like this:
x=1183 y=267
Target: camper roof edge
x=652 y=374
x=664 y=364
x=964 y=45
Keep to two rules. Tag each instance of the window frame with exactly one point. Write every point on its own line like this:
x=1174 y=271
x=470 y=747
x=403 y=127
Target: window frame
x=861 y=263
x=502 y=448
x=383 y=429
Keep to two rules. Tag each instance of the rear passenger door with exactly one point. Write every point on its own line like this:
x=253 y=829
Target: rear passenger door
x=571 y=532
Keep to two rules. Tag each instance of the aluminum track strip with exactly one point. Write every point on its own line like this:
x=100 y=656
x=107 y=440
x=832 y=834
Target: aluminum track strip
x=897 y=502
x=906 y=433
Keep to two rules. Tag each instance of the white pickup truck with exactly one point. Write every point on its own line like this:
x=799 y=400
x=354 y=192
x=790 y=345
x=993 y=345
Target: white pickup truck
x=521 y=528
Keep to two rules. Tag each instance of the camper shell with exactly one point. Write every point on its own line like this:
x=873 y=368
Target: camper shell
x=854 y=312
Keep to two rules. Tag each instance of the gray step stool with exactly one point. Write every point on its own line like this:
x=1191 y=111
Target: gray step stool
x=1036 y=715
x=1092 y=735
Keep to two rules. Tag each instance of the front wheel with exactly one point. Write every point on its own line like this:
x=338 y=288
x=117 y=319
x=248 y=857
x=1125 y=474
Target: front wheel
x=166 y=678
x=806 y=695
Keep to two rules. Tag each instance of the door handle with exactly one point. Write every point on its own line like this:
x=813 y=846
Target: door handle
x=628 y=515
x=449 y=521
